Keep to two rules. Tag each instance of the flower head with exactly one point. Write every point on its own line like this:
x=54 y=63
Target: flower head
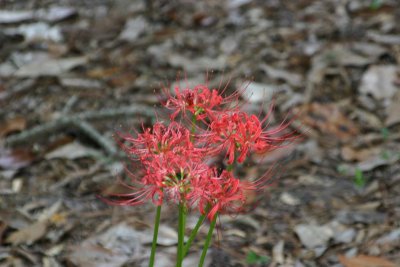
x=159 y=140
x=174 y=175
x=218 y=193
x=172 y=161
x=168 y=161
x=240 y=133
x=200 y=101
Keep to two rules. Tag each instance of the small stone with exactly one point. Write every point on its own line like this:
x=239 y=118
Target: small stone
x=378 y=81
x=351 y=252
x=289 y=199
x=393 y=236
x=258 y=92
x=346 y=236
x=313 y=236
x=133 y=29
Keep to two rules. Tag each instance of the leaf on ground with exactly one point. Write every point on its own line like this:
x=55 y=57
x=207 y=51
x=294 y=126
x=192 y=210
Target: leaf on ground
x=349 y=153
x=15 y=124
x=294 y=79
x=56 y=13
x=50 y=67
x=258 y=92
x=71 y=151
x=196 y=64
x=337 y=55
x=10 y=16
x=48 y=212
x=313 y=236
x=328 y=119
x=110 y=249
x=28 y=235
x=81 y=83
x=388 y=39
x=365 y=261
x=393 y=111
x=386 y=158
x=378 y=81
x=133 y=29
x=167 y=236
x=15 y=159
x=3 y=227
x=100 y=73
x=39 y=31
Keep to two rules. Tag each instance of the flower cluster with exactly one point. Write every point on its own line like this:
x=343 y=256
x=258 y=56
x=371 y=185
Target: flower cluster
x=175 y=158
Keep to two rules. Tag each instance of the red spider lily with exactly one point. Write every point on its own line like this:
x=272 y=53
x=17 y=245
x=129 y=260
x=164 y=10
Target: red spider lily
x=174 y=161
x=159 y=139
x=199 y=101
x=220 y=193
x=239 y=133
x=174 y=174
x=168 y=161
x=164 y=177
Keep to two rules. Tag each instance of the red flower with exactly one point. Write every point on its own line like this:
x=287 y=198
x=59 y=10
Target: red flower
x=164 y=178
x=160 y=139
x=215 y=193
x=239 y=133
x=199 y=101
x=173 y=161
x=168 y=160
x=174 y=175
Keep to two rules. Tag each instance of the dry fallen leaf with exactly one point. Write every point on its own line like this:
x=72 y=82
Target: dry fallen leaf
x=49 y=67
x=365 y=261
x=28 y=235
x=112 y=248
x=393 y=111
x=72 y=150
x=349 y=153
x=3 y=227
x=328 y=119
x=9 y=16
x=15 y=124
x=99 y=73
x=15 y=159
x=378 y=81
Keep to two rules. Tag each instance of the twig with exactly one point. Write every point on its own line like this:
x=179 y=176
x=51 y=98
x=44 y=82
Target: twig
x=79 y=121
x=76 y=175
x=91 y=132
x=114 y=113
x=21 y=87
x=69 y=104
x=37 y=131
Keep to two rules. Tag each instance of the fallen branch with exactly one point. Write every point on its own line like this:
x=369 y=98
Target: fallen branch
x=91 y=132
x=79 y=121
x=74 y=176
x=20 y=88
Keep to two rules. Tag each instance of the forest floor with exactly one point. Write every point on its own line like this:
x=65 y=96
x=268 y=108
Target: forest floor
x=72 y=73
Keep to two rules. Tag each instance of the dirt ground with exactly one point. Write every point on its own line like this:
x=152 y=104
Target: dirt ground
x=72 y=73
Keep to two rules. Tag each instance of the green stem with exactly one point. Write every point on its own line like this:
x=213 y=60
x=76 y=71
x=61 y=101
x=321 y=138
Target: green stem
x=155 y=235
x=181 y=234
x=193 y=234
x=229 y=167
x=193 y=130
x=208 y=241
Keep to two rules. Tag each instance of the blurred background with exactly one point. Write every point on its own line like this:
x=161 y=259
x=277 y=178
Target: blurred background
x=73 y=72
